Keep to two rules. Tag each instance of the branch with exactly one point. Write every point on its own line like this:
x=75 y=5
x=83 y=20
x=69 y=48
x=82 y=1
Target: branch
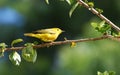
x=59 y=43
x=82 y=3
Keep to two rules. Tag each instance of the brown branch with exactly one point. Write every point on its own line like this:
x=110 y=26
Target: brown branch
x=82 y=3
x=59 y=43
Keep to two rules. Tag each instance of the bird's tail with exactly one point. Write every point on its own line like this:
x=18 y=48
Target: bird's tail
x=29 y=34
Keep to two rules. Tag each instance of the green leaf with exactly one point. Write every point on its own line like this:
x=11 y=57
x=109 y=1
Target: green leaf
x=15 y=58
x=35 y=42
x=69 y=1
x=106 y=73
x=91 y=4
x=101 y=24
x=94 y=25
x=73 y=9
x=99 y=73
x=16 y=41
x=2 y=49
x=29 y=53
x=111 y=73
x=47 y=1
x=99 y=10
x=104 y=28
x=86 y=1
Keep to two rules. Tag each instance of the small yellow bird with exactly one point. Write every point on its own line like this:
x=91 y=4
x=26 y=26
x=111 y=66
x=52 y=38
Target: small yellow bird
x=46 y=35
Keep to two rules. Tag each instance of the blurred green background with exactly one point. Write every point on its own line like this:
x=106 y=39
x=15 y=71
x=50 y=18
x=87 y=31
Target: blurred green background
x=20 y=16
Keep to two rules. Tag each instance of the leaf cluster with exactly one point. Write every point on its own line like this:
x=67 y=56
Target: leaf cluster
x=102 y=27
x=105 y=29
x=28 y=52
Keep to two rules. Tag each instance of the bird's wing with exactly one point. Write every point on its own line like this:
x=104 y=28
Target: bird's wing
x=42 y=31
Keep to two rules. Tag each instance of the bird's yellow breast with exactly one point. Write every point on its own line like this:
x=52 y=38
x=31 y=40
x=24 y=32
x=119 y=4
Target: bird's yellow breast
x=47 y=37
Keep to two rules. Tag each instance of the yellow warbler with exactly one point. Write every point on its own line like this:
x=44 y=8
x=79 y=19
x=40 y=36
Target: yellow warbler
x=46 y=35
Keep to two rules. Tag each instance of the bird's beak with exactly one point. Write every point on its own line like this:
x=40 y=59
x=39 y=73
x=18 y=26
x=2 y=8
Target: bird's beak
x=63 y=31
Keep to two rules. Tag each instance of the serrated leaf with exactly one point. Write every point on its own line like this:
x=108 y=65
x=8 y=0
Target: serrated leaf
x=15 y=58
x=2 y=49
x=73 y=9
x=47 y=1
x=16 y=41
x=29 y=53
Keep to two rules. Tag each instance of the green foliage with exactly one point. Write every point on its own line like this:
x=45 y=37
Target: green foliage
x=91 y=4
x=99 y=10
x=115 y=34
x=106 y=73
x=74 y=6
x=2 y=49
x=69 y=1
x=102 y=27
x=29 y=53
x=15 y=58
x=73 y=9
x=47 y=1
x=16 y=41
x=86 y=1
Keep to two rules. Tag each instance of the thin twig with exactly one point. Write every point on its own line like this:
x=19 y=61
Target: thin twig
x=82 y=3
x=59 y=43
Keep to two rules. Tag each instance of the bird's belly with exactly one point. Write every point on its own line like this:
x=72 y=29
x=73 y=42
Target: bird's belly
x=48 y=37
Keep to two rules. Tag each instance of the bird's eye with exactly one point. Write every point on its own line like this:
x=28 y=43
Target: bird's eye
x=57 y=29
